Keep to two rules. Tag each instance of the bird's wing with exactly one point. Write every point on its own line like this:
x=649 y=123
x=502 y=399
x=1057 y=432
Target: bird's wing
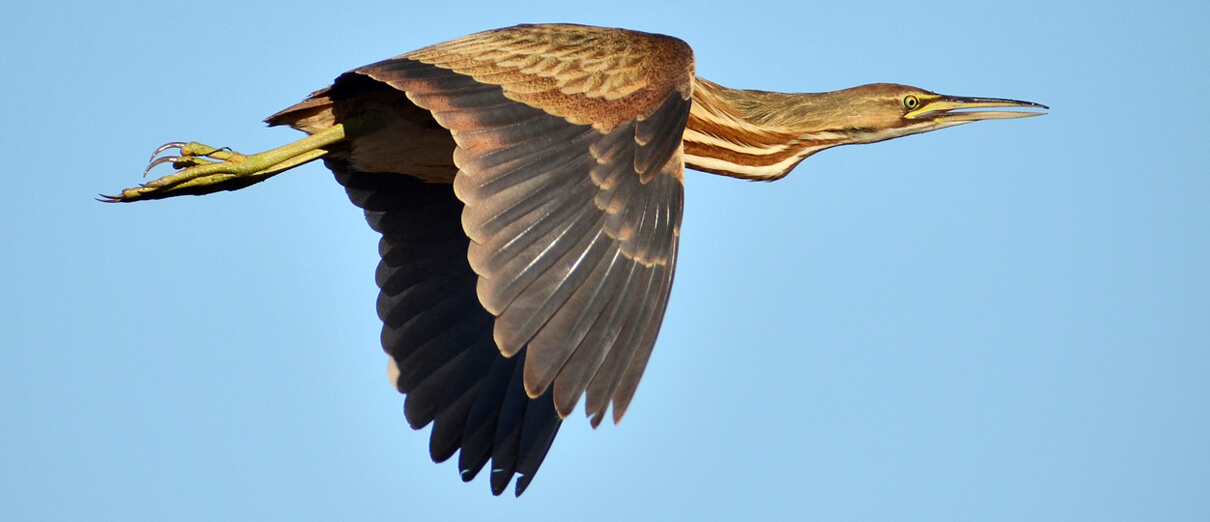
x=439 y=336
x=571 y=172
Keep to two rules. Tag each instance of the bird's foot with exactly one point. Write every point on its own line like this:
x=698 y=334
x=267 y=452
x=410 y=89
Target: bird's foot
x=202 y=169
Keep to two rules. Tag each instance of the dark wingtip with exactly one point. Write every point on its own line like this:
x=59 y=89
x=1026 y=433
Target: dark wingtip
x=468 y=474
x=500 y=481
x=522 y=483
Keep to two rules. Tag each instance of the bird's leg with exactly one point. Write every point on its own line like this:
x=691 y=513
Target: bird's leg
x=202 y=169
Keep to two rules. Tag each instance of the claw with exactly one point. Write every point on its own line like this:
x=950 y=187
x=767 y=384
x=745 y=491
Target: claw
x=164 y=147
x=161 y=161
x=202 y=169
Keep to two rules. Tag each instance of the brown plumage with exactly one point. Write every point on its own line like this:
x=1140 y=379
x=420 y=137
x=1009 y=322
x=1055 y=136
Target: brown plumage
x=528 y=184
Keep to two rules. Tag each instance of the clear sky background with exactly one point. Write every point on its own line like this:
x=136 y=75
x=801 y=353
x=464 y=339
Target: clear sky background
x=1001 y=321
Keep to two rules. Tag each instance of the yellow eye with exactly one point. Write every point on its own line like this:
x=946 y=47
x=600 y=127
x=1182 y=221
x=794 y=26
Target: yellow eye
x=911 y=103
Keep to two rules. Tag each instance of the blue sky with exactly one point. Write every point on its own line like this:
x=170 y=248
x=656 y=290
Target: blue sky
x=1002 y=321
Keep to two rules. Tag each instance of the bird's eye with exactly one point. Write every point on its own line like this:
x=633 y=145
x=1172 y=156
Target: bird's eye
x=910 y=102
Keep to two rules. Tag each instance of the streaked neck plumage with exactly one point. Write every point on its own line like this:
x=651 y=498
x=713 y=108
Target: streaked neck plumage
x=761 y=135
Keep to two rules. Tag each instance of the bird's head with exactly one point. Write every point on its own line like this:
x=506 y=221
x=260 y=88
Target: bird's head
x=881 y=111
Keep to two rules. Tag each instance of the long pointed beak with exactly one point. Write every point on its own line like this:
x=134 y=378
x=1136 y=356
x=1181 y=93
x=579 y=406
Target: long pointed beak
x=957 y=109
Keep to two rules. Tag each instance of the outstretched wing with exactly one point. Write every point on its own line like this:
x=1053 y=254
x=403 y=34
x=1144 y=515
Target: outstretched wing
x=571 y=171
x=567 y=142
x=439 y=336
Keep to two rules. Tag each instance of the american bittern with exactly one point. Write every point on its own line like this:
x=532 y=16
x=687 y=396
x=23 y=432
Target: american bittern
x=528 y=185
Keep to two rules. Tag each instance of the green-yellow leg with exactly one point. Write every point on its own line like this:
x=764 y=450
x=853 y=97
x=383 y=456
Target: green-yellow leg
x=204 y=169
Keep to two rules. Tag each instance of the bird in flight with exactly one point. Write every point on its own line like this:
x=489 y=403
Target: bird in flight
x=528 y=184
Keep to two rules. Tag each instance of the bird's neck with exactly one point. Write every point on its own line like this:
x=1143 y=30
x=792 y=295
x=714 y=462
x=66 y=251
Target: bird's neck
x=754 y=135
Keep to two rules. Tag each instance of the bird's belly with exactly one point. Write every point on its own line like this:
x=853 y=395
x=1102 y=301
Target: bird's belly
x=423 y=153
